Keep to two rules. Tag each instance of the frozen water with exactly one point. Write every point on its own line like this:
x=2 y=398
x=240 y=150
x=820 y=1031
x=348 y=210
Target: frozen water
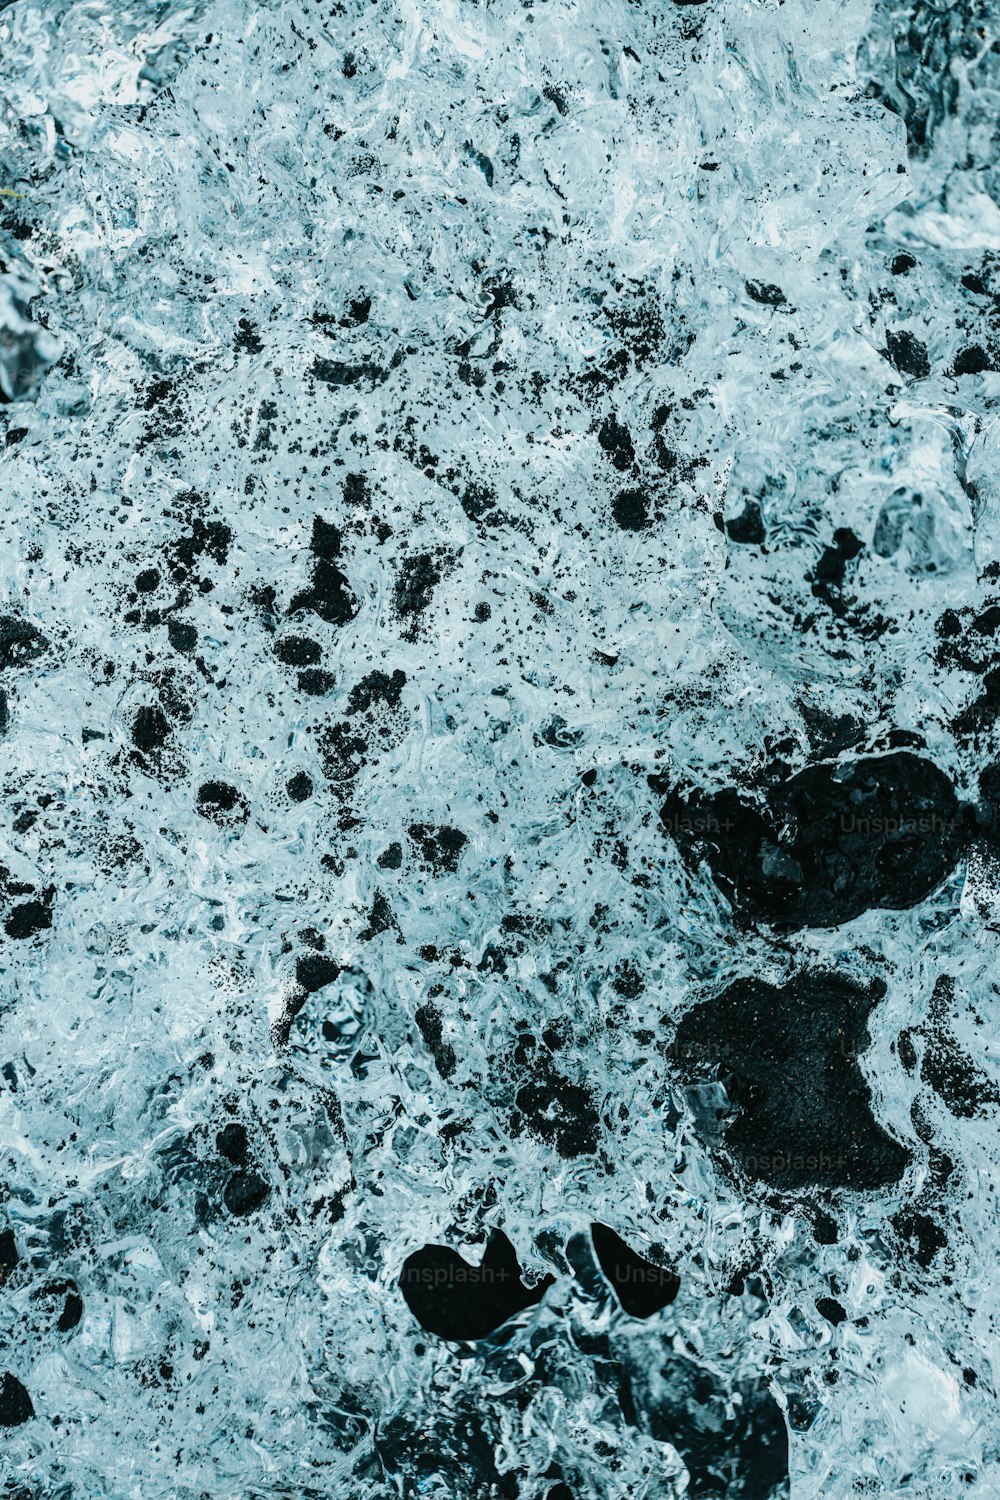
x=436 y=435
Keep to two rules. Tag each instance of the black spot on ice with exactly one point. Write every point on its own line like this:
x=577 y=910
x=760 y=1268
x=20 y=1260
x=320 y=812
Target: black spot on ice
x=15 y=1403
x=765 y=292
x=641 y=1287
x=244 y=1193
x=29 y=918
x=788 y=1059
x=457 y=1301
x=630 y=509
x=440 y=847
x=907 y=354
x=231 y=1142
x=20 y=642
x=150 y=728
x=329 y=595
x=833 y=841
x=299 y=787
x=221 y=803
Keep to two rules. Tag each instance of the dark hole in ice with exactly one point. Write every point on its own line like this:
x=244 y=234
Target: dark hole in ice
x=9 y=1258
x=641 y=1287
x=790 y=1057
x=747 y=529
x=15 y=1403
x=245 y=1192
x=457 y=1301
x=833 y=841
x=559 y=1112
x=231 y=1142
x=377 y=687
x=732 y=1449
x=149 y=728
x=222 y=803
x=66 y=1295
x=830 y=1309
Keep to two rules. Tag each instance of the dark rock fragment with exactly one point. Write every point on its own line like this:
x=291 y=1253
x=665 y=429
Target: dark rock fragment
x=788 y=1060
x=15 y=1403
x=641 y=1287
x=244 y=1193
x=829 y=843
x=457 y=1301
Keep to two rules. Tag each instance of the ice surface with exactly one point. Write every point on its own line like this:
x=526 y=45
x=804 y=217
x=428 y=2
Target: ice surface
x=435 y=434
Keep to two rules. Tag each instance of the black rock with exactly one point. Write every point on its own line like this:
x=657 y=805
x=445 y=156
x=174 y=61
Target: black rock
x=245 y=1192
x=231 y=1142
x=221 y=803
x=415 y=584
x=457 y=1301
x=641 y=1287
x=20 y=642
x=15 y=1403
x=907 y=354
x=630 y=509
x=616 y=440
x=29 y=918
x=971 y=361
x=788 y=1059
x=313 y=971
x=316 y=682
x=833 y=841
x=150 y=728
x=297 y=651
x=182 y=636
x=440 y=847
x=766 y=292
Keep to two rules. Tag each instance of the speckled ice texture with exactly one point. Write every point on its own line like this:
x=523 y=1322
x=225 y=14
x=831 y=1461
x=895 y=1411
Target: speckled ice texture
x=500 y=651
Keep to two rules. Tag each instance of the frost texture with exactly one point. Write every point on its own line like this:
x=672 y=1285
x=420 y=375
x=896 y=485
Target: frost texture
x=424 y=426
